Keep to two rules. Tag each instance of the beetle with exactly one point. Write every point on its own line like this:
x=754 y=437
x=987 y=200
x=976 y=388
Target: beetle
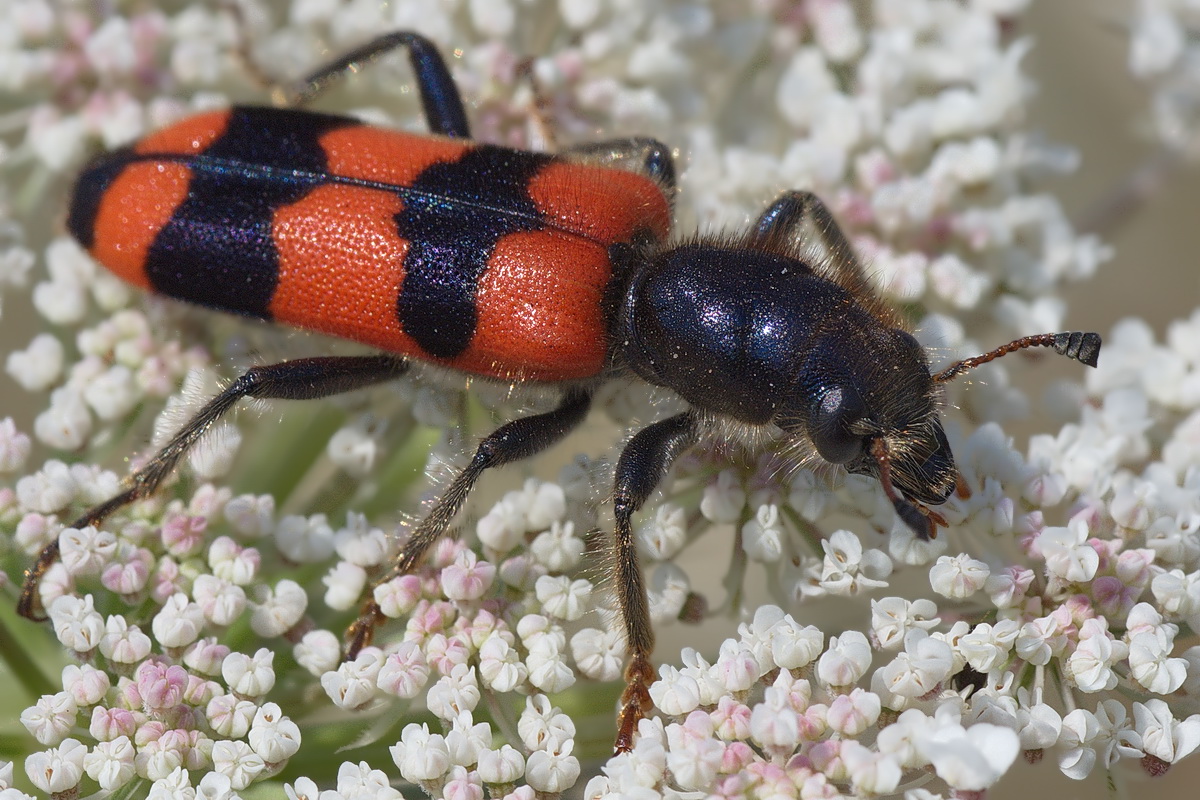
x=528 y=268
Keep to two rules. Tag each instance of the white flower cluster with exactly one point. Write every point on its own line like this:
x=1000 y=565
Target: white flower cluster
x=1062 y=585
x=1164 y=51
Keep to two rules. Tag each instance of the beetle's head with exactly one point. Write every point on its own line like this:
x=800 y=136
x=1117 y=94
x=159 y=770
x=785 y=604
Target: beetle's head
x=868 y=402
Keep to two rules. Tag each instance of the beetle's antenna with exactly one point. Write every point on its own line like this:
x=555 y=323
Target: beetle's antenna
x=923 y=521
x=1083 y=347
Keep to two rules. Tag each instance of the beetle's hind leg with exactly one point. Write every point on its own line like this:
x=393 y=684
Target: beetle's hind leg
x=299 y=379
x=440 y=99
x=511 y=442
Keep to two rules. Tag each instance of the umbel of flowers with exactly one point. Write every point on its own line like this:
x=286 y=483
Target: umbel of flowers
x=198 y=633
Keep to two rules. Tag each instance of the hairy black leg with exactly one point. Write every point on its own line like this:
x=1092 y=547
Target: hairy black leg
x=511 y=442
x=648 y=157
x=299 y=379
x=642 y=465
x=785 y=220
x=443 y=105
x=440 y=99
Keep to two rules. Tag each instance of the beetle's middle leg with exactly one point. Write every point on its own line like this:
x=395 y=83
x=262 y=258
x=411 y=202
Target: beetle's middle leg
x=642 y=465
x=511 y=442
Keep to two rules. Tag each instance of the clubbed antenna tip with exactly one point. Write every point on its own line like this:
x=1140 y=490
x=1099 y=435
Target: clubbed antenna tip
x=1083 y=347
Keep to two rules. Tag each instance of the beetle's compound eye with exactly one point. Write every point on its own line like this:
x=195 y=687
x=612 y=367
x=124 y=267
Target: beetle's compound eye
x=831 y=425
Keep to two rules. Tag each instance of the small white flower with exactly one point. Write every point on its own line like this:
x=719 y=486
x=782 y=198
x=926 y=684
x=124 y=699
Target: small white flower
x=111 y=764
x=304 y=539
x=51 y=718
x=236 y=761
x=344 y=584
x=846 y=660
x=421 y=755
x=723 y=498
x=273 y=736
x=500 y=664
x=1067 y=553
x=542 y=726
x=353 y=684
x=503 y=766
x=178 y=623
x=970 y=759
x=277 y=610
x=230 y=716
x=76 y=623
x=762 y=536
x=675 y=693
x=552 y=771
x=925 y=663
x=663 y=535
x=958 y=577
x=893 y=617
x=249 y=676
x=1160 y=735
x=548 y=669
x=1090 y=666
x=599 y=654
x=59 y=769
x=559 y=549
x=39 y=366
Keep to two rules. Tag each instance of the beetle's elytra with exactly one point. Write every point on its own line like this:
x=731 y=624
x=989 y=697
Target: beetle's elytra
x=521 y=267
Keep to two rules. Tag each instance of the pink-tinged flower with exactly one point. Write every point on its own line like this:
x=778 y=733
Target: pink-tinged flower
x=108 y=724
x=853 y=713
x=86 y=684
x=205 y=656
x=130 y=572
x=467 y=578
x=230 y=716
x=404 y=672
x=183 y=535
x=160 y=686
